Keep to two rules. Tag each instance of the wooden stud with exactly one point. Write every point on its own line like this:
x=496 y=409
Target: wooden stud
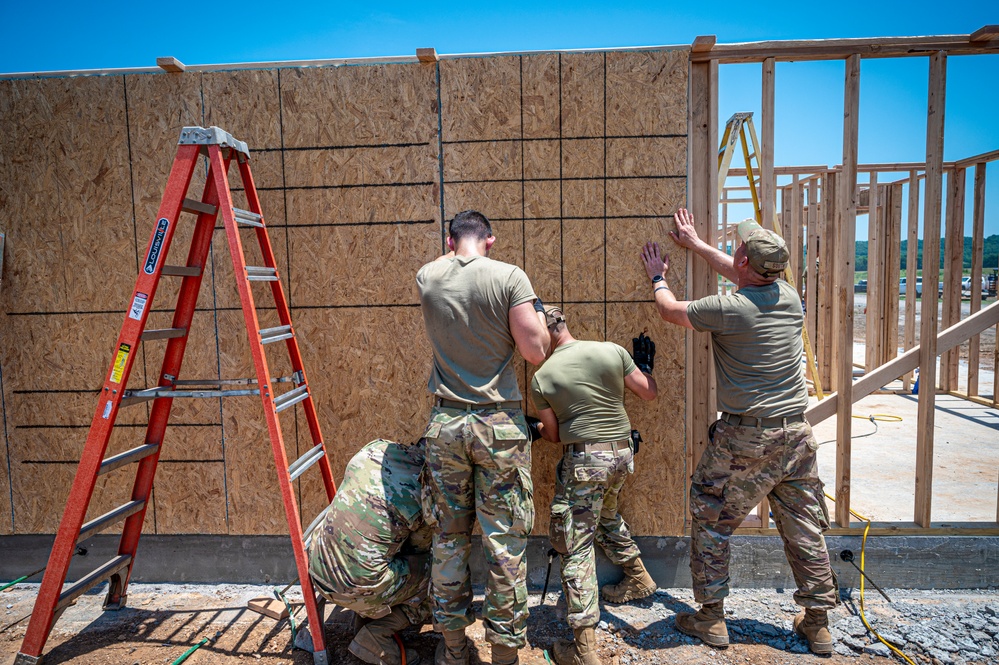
x=911 y=269
x=170 y=64
x=893 y=256
x=794 y=223
x=936 y=100
x=984 y=34
x=701 y=281
x=768 y=186
x=953 y=270
x=427 y=55
x=703 y=43
x=811 y=273
x=875 y=285
x=846 y=234
x=977 y=258
x=826 y=279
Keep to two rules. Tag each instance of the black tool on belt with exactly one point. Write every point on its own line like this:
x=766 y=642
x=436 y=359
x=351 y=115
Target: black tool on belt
x=636 y=440
x=551 y=557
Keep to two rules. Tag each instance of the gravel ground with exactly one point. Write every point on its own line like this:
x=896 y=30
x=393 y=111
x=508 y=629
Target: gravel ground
x=162 y=621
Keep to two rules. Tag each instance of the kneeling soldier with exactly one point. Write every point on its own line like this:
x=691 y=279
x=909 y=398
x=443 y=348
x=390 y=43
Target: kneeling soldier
x=372 y=552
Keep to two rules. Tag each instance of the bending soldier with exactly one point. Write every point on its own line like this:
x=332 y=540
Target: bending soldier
x=762 y=446
x=579 y=394
x=372 y=551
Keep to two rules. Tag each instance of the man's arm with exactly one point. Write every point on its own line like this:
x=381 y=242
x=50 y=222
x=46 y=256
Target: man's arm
x=529 y=332
x=686 y=236
x=641 y=384
x=672 y=310
x=549 y=431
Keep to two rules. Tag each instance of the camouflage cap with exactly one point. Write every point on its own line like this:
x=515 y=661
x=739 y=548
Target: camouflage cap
x=766 y=251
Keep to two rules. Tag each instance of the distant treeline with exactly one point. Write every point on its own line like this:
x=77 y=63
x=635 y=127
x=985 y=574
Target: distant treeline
x=991 y=259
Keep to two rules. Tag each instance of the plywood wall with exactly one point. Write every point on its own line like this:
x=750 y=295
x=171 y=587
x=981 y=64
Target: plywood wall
x=576 y=158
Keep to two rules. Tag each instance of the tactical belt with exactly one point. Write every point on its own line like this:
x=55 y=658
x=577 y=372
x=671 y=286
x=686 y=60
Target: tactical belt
x=592 y=447
x=468 y=406
x=752 y=421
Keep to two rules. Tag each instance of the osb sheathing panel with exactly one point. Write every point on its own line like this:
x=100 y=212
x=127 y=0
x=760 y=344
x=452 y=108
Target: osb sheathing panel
x=578 y=159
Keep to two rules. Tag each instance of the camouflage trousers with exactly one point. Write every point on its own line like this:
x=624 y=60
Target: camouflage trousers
x=740 y=467
x=479 y=466
x=584 y=511
x=405 y=583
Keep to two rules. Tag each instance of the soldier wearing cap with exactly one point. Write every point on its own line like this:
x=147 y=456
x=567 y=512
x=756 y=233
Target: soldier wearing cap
x=579 y=394
x=762 y=446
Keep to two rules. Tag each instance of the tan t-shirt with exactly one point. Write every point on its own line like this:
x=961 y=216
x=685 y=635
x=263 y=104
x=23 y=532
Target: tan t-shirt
x=757 y=347
x=583 y=383
x=466 y=303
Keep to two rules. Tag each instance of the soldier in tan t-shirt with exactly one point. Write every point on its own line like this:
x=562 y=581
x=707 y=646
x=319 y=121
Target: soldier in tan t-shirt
x=477 y=312
x=762 y=446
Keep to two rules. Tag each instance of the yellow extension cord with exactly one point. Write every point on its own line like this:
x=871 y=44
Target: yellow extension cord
x=863 y=549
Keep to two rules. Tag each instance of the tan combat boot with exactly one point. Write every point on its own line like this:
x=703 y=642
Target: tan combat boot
x=813 y=625
x=581 y=651
x=452 y=649
x=503 y=655
x=708 y=625
x=375 y=641
x=637 y=583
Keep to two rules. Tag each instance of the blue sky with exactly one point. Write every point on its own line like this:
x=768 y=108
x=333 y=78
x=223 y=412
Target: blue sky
x=61 y=35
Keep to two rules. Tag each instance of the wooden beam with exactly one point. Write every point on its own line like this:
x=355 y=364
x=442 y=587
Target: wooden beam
x=827 y=278
x=981 y=158
x=875 y=282
x=768 y=186
x=893 y=259
x=846 y=234
x=170 y=64
x=837 y=49
x=427 y=55
x=936 y=101
x=702 y=186
x=911 y=269
x=811 y=253
x=908 y=361
x=953 y=270
x=703 y=43
x=984 y=34
x=977 y=258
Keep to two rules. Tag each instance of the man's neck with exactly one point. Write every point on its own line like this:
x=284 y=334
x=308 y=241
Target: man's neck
x=471 y=248
x=563 y=339
x=754 y=279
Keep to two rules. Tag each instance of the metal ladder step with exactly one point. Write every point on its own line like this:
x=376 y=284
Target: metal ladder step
x=130 y=397
x=261 y=274
x=314 y=525
x=180 y=271
x=198 y=208
x=111 y=517
x=291 y=398
x=248 y=218
x=92 y=579
x=127 y=457
x=268 y=335
x=302 y=464
x=163 y=333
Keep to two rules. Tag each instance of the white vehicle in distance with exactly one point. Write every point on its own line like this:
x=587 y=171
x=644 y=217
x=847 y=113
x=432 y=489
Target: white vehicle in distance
x=919 y=287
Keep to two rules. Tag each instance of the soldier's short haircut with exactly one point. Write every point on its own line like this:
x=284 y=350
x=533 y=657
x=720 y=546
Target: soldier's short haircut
x=470 y=224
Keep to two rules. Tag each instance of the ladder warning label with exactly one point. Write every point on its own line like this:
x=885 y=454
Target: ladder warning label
x=156 y=246
x=138 y=306
x=119 y=363
x=107 y=410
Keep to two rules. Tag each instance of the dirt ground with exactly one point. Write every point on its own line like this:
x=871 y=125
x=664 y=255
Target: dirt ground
x=163 y=621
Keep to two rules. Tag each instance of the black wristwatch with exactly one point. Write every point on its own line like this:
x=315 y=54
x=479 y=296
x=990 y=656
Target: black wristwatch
x=657 y=278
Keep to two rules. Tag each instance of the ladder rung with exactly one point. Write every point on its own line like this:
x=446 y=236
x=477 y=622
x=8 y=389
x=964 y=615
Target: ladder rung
x=163 y=333
x=248 y=218
x=302 y=464
x=233 y=382
x=261 y=274
x=268 y=335
x=314 y=525
x=180 y=271
x=291 y=398
x=130 y=397
x=197 y=207
x=127 y=457
x=111 y=517
x=89 y=581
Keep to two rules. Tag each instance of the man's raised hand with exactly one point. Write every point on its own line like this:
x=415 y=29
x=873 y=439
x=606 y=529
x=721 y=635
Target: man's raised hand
x=685 y=234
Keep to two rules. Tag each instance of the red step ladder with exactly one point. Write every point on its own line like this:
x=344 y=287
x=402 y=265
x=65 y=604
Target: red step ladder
x=220 y=148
